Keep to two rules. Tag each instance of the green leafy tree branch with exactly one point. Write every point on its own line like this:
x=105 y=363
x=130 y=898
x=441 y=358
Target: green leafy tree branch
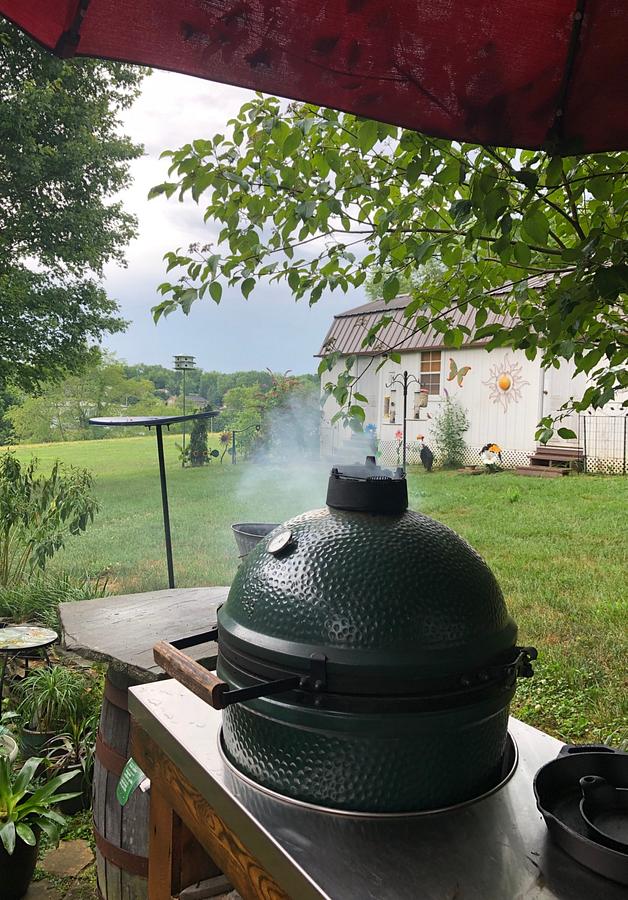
x=62 y=161
x=327 y=201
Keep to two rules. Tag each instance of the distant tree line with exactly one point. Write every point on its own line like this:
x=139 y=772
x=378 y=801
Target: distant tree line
x=211 y=385
x=60 y=410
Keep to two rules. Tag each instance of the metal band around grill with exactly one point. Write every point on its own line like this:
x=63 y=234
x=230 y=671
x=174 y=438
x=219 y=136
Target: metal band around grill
x=455 y=691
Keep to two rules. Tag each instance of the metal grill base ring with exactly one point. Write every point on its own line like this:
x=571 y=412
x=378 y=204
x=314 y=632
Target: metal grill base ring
x=509 y=766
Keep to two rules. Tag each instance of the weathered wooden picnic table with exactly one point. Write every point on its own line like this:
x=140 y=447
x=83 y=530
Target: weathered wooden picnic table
x=121 y=631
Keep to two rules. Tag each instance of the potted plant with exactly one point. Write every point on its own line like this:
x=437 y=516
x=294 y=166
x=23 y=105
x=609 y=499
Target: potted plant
x=26 y=810
x=50 y=697
x=73 y=752
x=8 y=745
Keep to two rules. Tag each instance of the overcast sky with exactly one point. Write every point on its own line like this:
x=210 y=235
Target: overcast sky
x=269 y=329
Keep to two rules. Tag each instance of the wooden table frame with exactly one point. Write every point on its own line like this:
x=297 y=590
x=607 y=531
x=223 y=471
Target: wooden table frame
x=188 y=841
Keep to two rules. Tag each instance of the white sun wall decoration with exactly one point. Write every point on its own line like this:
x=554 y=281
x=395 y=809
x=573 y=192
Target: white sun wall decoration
x=505 y=382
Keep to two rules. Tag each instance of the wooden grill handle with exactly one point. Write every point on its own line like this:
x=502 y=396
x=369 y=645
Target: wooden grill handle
x=193 y=676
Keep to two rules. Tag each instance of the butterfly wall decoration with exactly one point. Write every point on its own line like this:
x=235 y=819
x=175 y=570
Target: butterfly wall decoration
x=455 y=372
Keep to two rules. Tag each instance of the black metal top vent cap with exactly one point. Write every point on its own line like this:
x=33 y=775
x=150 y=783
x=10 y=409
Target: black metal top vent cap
x=368 y=488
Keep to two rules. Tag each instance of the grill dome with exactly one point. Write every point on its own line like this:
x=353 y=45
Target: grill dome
x=390 y=649
x=404 y=594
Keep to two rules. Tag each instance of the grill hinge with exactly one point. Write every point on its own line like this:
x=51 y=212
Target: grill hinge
x=317 y=679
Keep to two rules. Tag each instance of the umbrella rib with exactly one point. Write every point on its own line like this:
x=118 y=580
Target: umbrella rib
x=68 y=42
x=554 y=136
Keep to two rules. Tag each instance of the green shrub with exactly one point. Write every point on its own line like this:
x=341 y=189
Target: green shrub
x=37 y=601
x=27 y=808
x=50 y=697
x=59 y=698
x=74 y=747
x=38 y=513
x=198 y=443
x=448 y=432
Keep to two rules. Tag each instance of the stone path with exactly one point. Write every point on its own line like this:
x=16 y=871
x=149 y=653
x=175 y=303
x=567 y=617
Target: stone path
x=42 y=890
x=68 y=859
x=68 y=864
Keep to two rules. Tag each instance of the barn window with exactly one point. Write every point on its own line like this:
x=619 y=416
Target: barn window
x=430 y=371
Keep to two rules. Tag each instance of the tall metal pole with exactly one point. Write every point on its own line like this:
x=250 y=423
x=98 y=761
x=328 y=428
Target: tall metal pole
x=183 y=460
x=164 y=504
x=404 y=380
x=405 y=415
x=584 y=441
x=181 y=364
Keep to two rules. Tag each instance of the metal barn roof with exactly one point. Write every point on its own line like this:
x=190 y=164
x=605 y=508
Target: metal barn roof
x=349 y=329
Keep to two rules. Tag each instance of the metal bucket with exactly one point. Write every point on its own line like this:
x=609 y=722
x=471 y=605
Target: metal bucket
x=249 y=534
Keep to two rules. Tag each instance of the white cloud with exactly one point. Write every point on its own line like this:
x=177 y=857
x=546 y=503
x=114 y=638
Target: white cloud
x=269 y=329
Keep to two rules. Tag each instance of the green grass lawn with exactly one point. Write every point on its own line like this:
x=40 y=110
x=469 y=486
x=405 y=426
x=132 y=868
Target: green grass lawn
x=558 y=548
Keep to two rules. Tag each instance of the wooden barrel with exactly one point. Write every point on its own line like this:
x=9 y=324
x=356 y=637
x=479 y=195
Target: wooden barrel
x=121 y=832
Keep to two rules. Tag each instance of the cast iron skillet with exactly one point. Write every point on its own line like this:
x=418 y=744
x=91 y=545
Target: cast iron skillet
x=558 y=795
x=604 y=808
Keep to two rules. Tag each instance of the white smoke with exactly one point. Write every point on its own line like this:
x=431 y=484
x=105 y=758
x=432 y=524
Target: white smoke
x=285 y=464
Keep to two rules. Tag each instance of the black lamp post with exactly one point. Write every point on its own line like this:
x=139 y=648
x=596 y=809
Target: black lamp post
x=233 y=439
x=404 y=380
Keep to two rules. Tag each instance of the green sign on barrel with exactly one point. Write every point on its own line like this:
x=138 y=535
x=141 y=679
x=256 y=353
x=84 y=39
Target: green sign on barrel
x=130 y=779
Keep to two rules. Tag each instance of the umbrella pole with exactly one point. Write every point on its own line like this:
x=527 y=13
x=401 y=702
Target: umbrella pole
x=164 y=503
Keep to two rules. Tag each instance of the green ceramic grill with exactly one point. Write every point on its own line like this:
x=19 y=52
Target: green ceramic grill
x=366 y=656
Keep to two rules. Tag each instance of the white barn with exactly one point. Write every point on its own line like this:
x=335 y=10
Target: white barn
x=504 y=393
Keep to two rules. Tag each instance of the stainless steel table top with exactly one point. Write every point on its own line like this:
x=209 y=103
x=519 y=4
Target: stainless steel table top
x=495 y=849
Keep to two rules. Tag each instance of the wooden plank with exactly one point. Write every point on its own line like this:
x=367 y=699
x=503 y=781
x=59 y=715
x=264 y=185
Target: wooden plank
x=124 y=827
x=98 y=796
x=160 y=843
x=113 y=816
x=547 y=449
x=99 y=790
x=115 y=725
x=124 y=629
x=209 y=887
x=101 y=873
x=191 y=862
x=134 y=835
x=246 y=874
x=548 y=460
x=541 y=471
x=133 y=886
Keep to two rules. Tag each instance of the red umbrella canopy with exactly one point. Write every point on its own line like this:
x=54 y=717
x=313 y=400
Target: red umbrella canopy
x=540 y=73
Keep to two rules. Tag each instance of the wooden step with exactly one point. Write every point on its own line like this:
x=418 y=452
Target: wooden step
x=541 y=471
x=548 y=460
x=567 y=452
